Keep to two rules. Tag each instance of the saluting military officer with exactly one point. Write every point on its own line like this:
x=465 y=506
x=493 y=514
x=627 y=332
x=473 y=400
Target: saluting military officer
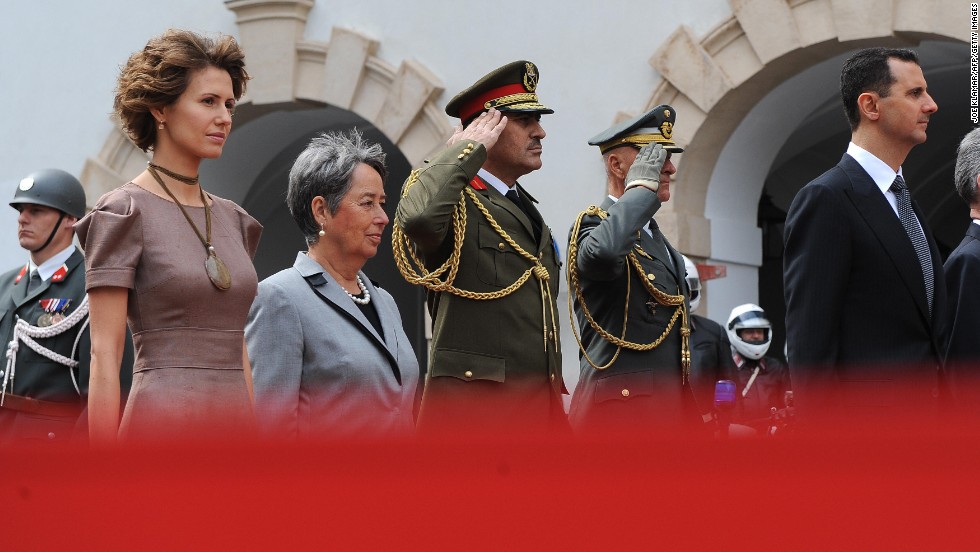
x=44 y=317
x=466 y=230
x=629 y=291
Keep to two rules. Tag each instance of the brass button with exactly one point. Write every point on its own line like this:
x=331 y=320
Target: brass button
x=501 y=246
x=626 y=392
x=651 y=277
x=552 y=377
x=468 y=374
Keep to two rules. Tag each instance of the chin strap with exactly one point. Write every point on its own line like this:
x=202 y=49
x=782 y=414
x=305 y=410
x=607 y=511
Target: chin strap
x=53 y=232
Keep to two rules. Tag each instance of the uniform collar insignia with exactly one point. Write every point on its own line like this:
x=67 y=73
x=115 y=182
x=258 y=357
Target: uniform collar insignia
x=60 y=274
x=477 y=184
x=21 y=273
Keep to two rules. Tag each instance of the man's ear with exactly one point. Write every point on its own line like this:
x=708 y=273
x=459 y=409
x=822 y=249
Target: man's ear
x=617 y=165
x=868 y=105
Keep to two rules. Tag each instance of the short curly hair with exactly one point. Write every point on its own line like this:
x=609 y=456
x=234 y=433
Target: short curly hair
x=158 y=74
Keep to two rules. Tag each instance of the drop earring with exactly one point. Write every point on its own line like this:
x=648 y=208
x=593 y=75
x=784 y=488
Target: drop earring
x=321 y=232
x=161 y=125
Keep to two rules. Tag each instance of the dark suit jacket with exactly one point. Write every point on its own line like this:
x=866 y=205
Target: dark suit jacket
x=642 y=390
x=490 y=364
x=963 y=355
x=858 y=327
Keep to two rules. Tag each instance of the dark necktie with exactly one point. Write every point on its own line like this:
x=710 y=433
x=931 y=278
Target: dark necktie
x=912 y=228
x=33 y=281
x=519 y=201
x=659 y=239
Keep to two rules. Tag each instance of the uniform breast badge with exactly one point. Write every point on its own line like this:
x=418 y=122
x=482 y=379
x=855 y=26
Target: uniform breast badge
x=54 y=311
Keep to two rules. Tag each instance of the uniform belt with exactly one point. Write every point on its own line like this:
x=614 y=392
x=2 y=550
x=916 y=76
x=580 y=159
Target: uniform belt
x=44 y=408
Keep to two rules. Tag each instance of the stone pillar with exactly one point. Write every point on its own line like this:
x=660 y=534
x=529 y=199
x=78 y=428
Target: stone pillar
x=269 y=30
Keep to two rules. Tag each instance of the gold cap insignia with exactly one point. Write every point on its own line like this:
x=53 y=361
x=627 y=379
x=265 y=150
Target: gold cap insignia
x=530 y=77
x=666 y=128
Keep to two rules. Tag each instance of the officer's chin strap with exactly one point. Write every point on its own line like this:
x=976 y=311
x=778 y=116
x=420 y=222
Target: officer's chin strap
x=27 y=333
x=54 y=231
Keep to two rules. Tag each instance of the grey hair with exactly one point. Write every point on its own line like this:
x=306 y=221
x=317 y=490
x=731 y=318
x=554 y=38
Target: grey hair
x=968 y=166
x=325 y=168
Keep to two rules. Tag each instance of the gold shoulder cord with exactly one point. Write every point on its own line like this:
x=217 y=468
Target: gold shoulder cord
x=660 y=297
x=406 y=256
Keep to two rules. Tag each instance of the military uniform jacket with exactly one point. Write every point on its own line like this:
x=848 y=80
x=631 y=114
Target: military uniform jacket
x=493 y=363
x=38 y=377
x=642 y=389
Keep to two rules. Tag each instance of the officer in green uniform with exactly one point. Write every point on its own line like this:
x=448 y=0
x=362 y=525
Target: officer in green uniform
x=629 y=292
x=471 y=234
x=44 y=317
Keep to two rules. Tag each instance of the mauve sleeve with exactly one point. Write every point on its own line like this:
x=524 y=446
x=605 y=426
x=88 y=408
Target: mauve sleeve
x=251 y=231
x=112 y=237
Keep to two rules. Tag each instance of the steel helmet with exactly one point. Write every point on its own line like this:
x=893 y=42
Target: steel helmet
x=693 y=283
x=52 y=188
x=749 y=316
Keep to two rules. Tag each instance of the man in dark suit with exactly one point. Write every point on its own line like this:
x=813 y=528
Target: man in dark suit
x=962 y=277
x=630 y=295
x=44 y=317
x=470 y=233
x=864 y=286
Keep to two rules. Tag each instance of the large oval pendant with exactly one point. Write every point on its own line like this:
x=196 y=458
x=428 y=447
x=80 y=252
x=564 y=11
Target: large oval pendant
x=217 y=271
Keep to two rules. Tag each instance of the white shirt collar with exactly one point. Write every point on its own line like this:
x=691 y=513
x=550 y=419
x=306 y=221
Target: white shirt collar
x=492 y=180
x=50 y=266
x=878 y=170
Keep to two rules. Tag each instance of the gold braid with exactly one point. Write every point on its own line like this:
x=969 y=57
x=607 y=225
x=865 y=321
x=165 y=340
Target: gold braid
x=406 y=259
x=575 y=289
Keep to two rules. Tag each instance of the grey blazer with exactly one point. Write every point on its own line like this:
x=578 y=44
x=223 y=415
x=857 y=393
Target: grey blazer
x=321 y=370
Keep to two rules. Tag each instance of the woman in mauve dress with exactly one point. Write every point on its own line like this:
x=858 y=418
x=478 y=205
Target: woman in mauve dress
x=170 y=259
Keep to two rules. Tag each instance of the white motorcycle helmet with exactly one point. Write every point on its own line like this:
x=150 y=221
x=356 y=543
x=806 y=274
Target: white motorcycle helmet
x=749 y=316
x=693 y=282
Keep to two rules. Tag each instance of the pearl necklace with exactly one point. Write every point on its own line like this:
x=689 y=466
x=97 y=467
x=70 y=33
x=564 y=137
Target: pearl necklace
x=359 y=300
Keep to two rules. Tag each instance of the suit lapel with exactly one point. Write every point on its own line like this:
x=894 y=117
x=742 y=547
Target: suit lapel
x=886 y=226
x=387 y=318
x=497 y=199
x=532 y=207
x=333 y=294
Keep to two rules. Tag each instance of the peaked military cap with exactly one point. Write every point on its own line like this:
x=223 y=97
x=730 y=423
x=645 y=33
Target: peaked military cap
x=508 y=88
x=656 y=125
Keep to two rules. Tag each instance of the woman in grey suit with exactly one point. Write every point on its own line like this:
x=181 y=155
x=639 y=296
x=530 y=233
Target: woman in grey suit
x=330 y=358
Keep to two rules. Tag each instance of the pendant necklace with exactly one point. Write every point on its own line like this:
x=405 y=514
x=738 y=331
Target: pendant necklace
x=215 y=268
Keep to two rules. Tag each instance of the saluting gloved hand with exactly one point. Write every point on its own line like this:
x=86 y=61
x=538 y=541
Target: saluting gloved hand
x=646 y=168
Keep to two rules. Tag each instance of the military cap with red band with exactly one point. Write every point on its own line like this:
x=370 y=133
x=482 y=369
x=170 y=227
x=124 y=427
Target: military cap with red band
x=510 y=88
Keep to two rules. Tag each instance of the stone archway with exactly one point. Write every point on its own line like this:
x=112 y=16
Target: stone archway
x=344 y=72
x=717 y=80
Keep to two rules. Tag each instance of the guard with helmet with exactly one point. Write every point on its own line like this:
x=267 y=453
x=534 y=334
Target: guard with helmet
x=44 y=317
x=762 y=382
